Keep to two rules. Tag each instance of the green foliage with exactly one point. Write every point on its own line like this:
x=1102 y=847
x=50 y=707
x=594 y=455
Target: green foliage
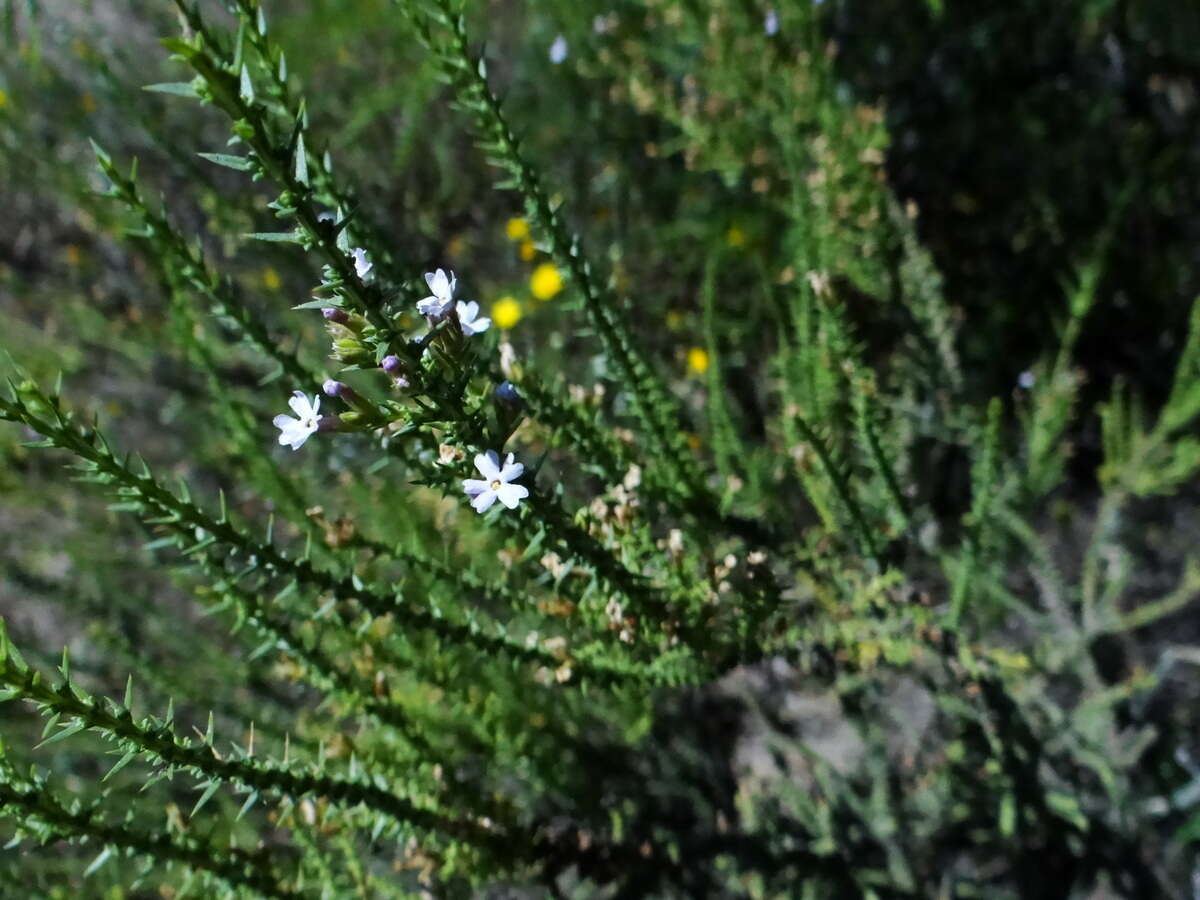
x=785 y=599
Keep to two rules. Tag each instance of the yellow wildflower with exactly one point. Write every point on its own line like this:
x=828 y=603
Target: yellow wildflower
x=528 y=251
x=270 y=279
x=697 y=360
x=506 y=312
x=735 y=237
x=516 y=229
x=546 y=281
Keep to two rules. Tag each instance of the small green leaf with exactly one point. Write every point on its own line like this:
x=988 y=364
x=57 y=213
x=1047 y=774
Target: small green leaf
x=182 y=46
x=1008 y=815
x=205 y=797
x=179 y=88
x=64 y=734
x=301 y=161
x=121 y=763
x=278 y=237
x=246 y=88
x=229 y=161
x=250 y=801
x=100 y=860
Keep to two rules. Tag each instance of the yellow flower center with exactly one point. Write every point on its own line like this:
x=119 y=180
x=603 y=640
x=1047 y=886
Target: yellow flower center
x=495 y=485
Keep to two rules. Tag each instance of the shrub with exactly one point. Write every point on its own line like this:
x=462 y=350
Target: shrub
x=643 y=530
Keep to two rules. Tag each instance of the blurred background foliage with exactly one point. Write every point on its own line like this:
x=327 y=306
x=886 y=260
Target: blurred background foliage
x=1011 y=157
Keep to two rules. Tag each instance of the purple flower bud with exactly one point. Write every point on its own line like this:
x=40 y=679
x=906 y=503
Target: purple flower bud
x=507 y=394
x=391 y=364
x=333 y=314
x=326 y=424
x=401 y=382
x=333 y=388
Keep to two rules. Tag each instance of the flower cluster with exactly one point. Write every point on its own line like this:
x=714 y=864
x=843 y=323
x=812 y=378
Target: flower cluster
x=293 y=432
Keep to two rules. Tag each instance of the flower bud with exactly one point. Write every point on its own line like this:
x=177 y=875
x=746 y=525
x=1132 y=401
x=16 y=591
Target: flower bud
x=391 y=364
x=335 y=388
x=507 y=395
x=333 y=314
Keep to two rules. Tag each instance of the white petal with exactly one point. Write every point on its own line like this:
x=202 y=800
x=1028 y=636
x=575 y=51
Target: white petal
x=301 y=406
x=488 y=465
x=282 y=421
x=511 y=470
x=453 y=285
x=473 y=486
x=362 y=265
x=467 y=311
x=484 y=501
x=479 y=326
x=439 y=285
x=512 y=494
x=294 y=433
x=431 y=306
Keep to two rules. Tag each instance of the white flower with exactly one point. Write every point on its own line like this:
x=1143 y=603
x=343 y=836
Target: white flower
x=468 y=318
x=296 y=431
x=496 y=484
x=362 y=265
x=558 y=50
x=771 y=22
x=441 y=293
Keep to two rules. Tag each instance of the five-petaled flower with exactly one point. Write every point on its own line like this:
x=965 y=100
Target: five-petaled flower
x=295 y=432
x=441 y=293
x=496 y=484
x=468 y=318
x=362 y=265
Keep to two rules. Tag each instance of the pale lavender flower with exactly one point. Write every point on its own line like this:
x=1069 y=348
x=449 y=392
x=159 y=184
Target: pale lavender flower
x=294 y=432
x=468 y=318
x=771 y=22
x=441 y=288
x=558 y=50
x=391 y=364
x=362 y=265
x=496 y=483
